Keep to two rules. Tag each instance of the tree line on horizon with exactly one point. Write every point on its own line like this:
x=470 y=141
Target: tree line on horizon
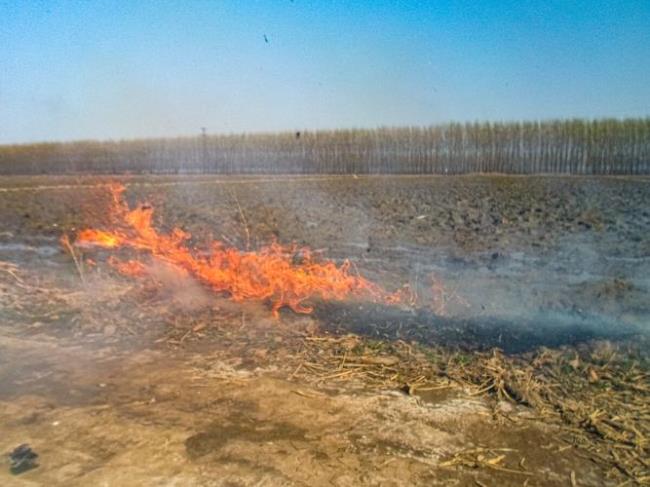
x=604 y=146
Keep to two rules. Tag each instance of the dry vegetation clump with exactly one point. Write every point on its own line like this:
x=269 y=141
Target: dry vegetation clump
x=598 y=393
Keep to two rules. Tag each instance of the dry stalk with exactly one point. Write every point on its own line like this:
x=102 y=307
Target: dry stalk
x=233 y=194
x=65 y=241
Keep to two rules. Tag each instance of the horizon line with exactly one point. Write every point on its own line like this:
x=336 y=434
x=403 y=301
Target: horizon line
x=320 y=130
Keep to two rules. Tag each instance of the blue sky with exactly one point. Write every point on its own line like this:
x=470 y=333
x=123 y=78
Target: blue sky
x=136 y=68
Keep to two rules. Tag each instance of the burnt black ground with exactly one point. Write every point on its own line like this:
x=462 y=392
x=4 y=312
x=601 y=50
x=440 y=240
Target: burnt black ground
x=478 y=333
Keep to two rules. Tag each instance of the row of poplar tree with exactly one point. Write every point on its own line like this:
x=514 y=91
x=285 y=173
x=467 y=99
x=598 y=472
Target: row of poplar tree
x=606 y=146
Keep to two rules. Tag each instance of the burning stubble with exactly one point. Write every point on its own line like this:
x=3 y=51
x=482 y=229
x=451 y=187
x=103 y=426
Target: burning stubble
x=283 y=275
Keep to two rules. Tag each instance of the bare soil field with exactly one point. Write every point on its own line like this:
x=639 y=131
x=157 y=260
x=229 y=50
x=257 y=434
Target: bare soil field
x=527 y=366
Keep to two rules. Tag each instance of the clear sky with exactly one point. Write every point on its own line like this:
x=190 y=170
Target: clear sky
x=136 y=68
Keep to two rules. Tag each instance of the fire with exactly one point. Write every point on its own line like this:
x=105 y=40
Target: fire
x=284 y=275
x=103 y=239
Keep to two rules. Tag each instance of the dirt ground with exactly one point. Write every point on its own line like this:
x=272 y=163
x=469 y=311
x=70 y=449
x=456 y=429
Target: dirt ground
x=118 y=382
x=151 y=417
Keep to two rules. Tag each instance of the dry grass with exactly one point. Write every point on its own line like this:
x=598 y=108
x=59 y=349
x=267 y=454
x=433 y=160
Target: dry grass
x=598 y=393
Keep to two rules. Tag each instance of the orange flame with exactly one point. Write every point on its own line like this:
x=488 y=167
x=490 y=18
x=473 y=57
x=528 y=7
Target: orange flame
x=97 y=237
x=285 y=275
